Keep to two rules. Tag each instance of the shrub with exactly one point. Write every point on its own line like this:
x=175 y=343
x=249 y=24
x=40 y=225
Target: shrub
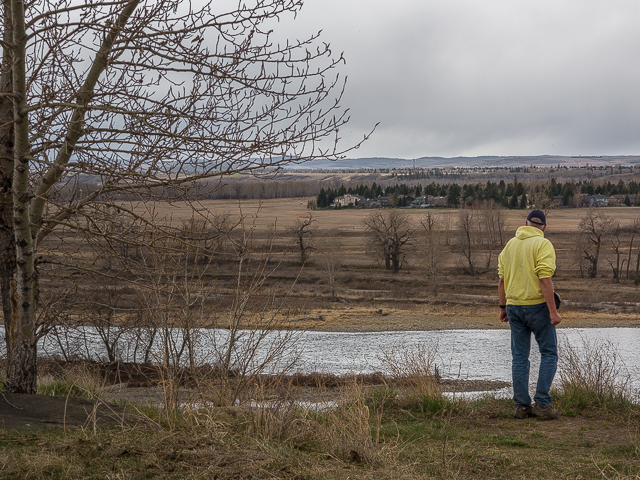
x=592 y=374
x=413 y=371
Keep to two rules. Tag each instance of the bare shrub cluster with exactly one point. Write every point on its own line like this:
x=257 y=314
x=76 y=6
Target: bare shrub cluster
x=200 y=342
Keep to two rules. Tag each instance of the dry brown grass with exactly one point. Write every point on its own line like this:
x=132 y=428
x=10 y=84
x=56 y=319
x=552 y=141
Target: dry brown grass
x=370 y=298
x=363 y=431
x=414 y=372
x=593 y=370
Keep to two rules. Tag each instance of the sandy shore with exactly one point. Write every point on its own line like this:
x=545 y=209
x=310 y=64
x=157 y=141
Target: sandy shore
x=377 y=320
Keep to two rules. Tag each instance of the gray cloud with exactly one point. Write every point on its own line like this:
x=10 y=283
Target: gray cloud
x=498 y=77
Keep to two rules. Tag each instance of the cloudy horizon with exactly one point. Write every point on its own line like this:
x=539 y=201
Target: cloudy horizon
x=466 y=78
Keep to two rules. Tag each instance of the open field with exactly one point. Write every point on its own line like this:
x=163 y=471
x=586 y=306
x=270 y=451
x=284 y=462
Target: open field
x=286 y=210
x=371 y=298
x=368 y=296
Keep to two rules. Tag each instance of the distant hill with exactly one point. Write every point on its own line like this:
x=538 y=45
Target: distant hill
x=466 y=162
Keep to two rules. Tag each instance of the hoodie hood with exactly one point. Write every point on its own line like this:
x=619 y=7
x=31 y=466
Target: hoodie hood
x=527 y=232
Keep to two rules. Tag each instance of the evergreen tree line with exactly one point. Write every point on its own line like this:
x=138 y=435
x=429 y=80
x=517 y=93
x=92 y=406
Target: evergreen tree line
x=510 y=195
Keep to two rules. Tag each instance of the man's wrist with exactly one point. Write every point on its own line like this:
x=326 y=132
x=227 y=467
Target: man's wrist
x=502 y=306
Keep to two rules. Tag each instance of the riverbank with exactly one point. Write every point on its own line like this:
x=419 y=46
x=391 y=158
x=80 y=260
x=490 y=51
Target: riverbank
x=312 y=426
x=445 y=316
x=366 y=435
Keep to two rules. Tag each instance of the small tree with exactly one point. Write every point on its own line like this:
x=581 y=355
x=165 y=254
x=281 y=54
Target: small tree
x=594 y=228
x=633 y=230
x=329 y=257
x=468 y=238
x=430 y=240
x=301 y=231
x=615 y=242
x=491 y=220
x=389 y=234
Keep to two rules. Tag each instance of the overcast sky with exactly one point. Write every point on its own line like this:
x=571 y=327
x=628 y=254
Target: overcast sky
x=492 y=77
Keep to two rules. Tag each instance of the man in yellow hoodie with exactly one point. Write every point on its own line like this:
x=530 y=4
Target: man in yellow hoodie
x=525 y=267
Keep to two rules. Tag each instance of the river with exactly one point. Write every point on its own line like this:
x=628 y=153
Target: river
x=463 y=354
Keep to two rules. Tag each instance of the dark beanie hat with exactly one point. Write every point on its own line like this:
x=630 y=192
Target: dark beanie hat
x=539 y=215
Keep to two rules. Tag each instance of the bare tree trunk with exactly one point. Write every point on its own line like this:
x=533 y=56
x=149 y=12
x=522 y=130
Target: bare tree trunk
x=433 y=251
x=7 y=244
x=629 y=256
x=634 y=230
x=593 y=258
x=303 y=250
x=109 y=67
x=595 y=227
x=387 y=258
x=22 y=368
x=395 y=260
x=329 y=257
x=301 y=230
x=467 y=234
x=616 y=242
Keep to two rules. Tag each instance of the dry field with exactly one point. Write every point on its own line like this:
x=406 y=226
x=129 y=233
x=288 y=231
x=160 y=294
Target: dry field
x=371 y=298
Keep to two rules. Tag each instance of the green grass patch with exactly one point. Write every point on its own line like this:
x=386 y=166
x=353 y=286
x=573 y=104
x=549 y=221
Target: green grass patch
x=629 y=450
x=575 y=401
x=432 y=405
x=65 y=388
x=510 y=441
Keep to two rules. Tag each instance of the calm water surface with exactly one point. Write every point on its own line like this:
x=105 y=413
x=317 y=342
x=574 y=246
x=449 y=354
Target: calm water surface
x=472 y=354
x=467 y=354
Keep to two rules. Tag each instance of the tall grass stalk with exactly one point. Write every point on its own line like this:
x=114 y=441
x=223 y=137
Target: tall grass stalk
x=275 y=414
x=413 y=371
x=76 y=381
x=592 y=373
x=348 y=427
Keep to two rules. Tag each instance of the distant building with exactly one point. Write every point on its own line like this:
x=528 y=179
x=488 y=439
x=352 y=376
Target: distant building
x=618 y=199
x=346 y=200
x=557 y=201
x=385 y=202
x=437 y=201
x=594 y=201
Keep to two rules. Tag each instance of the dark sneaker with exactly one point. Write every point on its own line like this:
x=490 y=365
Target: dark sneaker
x=545 y=413
x=523 y=412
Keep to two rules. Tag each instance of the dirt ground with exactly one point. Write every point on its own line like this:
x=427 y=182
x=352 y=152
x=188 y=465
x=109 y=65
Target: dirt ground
x=448 y=316
x=36 y=412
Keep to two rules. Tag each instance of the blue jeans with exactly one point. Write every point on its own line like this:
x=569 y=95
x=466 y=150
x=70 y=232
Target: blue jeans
x=523 y=321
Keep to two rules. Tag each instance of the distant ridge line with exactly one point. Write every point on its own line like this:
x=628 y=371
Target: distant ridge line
x=485 y=161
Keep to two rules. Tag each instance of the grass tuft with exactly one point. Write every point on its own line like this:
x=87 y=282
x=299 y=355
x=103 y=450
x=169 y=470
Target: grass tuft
x=592 y=374
x=78 y=381
x=413 y=372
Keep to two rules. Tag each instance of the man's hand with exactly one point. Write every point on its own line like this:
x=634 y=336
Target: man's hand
x=503 y=315
x=546 y=285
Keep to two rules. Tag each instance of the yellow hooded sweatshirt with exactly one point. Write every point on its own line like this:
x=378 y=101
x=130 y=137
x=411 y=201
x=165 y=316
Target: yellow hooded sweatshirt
x=526 y=259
